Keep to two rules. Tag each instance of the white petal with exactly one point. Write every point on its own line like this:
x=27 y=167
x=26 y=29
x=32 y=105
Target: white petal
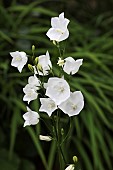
x=47 y=105
x=64 y=35
x=73 y=105
x=70 y=167
x=53 y=34
x=58 y=90
x=71 y=66
x=30 y=117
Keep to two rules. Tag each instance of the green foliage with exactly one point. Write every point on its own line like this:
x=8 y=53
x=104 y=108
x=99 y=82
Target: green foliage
x=90 y=138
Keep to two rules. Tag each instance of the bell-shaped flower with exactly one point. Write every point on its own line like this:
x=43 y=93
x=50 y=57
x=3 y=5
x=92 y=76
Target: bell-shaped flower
x=30 y=93
x=47 y=105
x=70 y=167
x=58 y=32
x=45 y=64
x=45 y=138
x=31 y=117
x=34 y=82
x=19 y=59
x=57 y=89
x=73 y=105
x=72 y=66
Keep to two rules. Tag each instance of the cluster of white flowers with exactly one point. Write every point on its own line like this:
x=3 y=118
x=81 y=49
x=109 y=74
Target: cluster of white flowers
x=57 y=90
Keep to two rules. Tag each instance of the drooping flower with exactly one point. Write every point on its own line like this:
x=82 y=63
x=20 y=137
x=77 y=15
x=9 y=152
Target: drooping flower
x=30 y=93
x=34 y=82
x=71 y=66
x=70 y=167
x=45 y=138
x=57 y=89
x=19 y=59
x=47 y=105
x=31 y=117
x=58 y=32
x=45 y=63
x=73 y=105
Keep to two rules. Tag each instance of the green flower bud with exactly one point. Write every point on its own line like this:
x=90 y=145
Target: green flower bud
x=62 y=131
x=33 y=48
x=30 y=67
x=75 y=159
x=36 y=61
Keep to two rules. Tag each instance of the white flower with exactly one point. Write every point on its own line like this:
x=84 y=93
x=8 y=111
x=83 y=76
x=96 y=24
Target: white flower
x=71 y=66
x=47 y=105
x=34 y=82
x=46 y=138
x=70 y=167
x=58 y=90
x=31 y=117
x=19 y=59
x=30 y=93
x=73 y=105
x=58 y=32
x=45 y=63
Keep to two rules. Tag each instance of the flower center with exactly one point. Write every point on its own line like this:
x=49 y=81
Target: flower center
x=51 y=105
x=18 y=58
x=58 y=30
x=74 y=107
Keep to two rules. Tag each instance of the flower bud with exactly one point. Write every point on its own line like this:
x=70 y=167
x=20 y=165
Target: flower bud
x=75 y=159
x=33 y=48
x=62 y=131
x=54 y=42
x=36 y=61
x=30 y=67
x=45 y=138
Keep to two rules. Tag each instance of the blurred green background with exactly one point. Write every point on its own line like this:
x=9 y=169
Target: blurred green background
x=24 y=23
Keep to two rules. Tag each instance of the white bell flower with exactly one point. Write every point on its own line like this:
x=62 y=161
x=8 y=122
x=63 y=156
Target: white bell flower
x=70 y=167
x=34 y=82
x=31 y=117
x=57 y=89
x=58 y=32
x=72 y=66
x=30 y=93
x=45 y=63
x=19 y=59
x=73 y=105
x=45 y=138
x=47 y=105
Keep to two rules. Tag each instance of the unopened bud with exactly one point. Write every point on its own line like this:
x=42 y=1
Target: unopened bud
x=36 y=61
x=33 y=48
x=62 y=131
x=30 y=67
x=45 y=138
x=54 y=42
x=75 y=159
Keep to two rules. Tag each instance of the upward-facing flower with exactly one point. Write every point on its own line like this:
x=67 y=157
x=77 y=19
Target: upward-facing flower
x=45 y=63
x=73 y=105
x=19 y=59
x=71 y=66
x=58 y=32
x=47 y=105
x=31 y=117
x=57 y=89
